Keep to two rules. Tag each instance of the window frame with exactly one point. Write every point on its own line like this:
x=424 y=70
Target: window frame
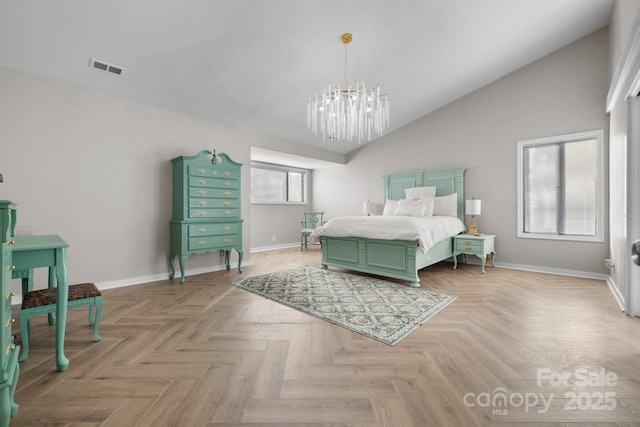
x=598 y=135
x=287 y=169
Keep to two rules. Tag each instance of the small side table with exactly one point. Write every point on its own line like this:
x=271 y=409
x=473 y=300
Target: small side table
x=480 y=246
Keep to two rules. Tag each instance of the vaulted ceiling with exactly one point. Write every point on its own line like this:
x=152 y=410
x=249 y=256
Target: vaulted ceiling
x=254 y=63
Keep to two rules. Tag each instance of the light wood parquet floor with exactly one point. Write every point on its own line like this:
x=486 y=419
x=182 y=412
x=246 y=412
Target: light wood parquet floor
x=557 y=348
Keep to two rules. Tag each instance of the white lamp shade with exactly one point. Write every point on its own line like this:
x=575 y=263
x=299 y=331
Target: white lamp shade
x=368 y=208
x=472 y=207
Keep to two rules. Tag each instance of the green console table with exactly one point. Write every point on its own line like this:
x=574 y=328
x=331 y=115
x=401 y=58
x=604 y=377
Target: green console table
x=31 y=252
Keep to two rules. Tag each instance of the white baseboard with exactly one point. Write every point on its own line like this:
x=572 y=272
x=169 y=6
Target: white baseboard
x=157 y=277
x=558 y=271
x=17 y=299
x=616 y=292
x=274 y=247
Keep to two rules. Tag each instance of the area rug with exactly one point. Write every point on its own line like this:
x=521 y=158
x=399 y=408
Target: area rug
x=376 y=308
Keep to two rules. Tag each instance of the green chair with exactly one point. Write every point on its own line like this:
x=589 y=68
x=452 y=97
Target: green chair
x=311 y=221
x=43 y=301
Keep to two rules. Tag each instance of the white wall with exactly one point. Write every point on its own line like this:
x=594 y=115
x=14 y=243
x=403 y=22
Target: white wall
x=623 y=23
x=561 y=93
x=96 y=170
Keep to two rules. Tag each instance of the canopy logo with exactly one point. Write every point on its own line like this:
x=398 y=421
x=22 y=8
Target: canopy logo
x=500 y=400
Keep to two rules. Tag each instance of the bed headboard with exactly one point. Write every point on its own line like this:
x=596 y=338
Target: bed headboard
x=446 y=181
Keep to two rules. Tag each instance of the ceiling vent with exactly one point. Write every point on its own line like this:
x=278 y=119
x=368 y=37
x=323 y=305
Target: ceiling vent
x=104 y=66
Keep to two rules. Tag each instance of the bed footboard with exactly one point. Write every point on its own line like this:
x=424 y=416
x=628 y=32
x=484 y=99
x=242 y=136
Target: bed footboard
x=388 y=258
x=399 y=259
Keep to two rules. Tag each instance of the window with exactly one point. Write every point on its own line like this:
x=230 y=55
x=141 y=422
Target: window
x=561 y=187
x=275 y=184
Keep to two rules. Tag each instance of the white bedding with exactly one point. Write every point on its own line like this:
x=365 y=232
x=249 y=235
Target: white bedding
x=427 y=230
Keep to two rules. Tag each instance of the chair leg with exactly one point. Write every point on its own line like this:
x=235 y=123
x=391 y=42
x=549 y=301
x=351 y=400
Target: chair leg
x=92 y=320
x=96 y=320
x=25 y=331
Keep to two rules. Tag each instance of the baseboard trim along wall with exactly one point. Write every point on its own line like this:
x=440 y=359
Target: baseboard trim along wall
x=271 y=248
x=157 y=277
x=17 y=299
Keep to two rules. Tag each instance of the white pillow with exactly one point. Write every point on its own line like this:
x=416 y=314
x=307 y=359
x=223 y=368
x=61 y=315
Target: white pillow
x=426 y=202
x=429 y=204
x=390 y=207
x=417 y=201
x=446 y=205
x=420 y=192
x=409 y=210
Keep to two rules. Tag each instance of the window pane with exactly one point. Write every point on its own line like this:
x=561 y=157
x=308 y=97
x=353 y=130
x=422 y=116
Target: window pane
x=277 y=184
x=541 y=180
x=560 y=187
x=580 y=178
x=296 y=187
x=268 y=185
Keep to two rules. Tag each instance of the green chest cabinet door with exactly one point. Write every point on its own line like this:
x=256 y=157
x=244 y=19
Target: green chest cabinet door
x=9 y=369
x=206 y=208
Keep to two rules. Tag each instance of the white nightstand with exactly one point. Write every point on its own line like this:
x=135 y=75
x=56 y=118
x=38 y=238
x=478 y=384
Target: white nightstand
x=480 y=246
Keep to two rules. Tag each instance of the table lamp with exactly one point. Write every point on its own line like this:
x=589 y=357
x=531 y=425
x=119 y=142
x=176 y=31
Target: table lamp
x=473 y=207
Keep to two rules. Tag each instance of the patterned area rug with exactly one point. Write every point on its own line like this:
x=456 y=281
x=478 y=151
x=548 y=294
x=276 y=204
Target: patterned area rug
x=379 y=309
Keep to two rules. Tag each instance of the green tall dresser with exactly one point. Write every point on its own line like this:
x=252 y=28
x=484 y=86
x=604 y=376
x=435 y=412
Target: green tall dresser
x=9 y=369
x=206 y=208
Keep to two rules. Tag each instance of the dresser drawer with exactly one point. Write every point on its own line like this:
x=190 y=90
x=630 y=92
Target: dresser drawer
x=213 y=242
x=222 y=193
x=199 y=182
x=195 y=170
x=201 y=202
x=213 y=229
x=6 y=336
x=465 y=245
x=202 y=213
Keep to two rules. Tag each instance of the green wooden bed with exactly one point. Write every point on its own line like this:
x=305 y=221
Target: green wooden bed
x=399 y=259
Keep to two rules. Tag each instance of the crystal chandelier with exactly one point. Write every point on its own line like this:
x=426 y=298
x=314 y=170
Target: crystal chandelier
x=348 y=112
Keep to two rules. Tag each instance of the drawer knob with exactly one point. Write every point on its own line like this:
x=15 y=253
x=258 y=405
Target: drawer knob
x=202 y=192
x=468 y=249
x=227 y=203
x=202 y=229
x=202 y=242
x=202 y=181
x=11 y=268
x=10 y=294
x=10 y=322
x=227 y=184
x=227 y=229
x=10 y=348
x=202 y=202
x=227 y=212
x=227 y=174
x=11 y=242
x=202 y=171
x=202 y=213
x=227 y=241
x=227 y=193
x=467 y=242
